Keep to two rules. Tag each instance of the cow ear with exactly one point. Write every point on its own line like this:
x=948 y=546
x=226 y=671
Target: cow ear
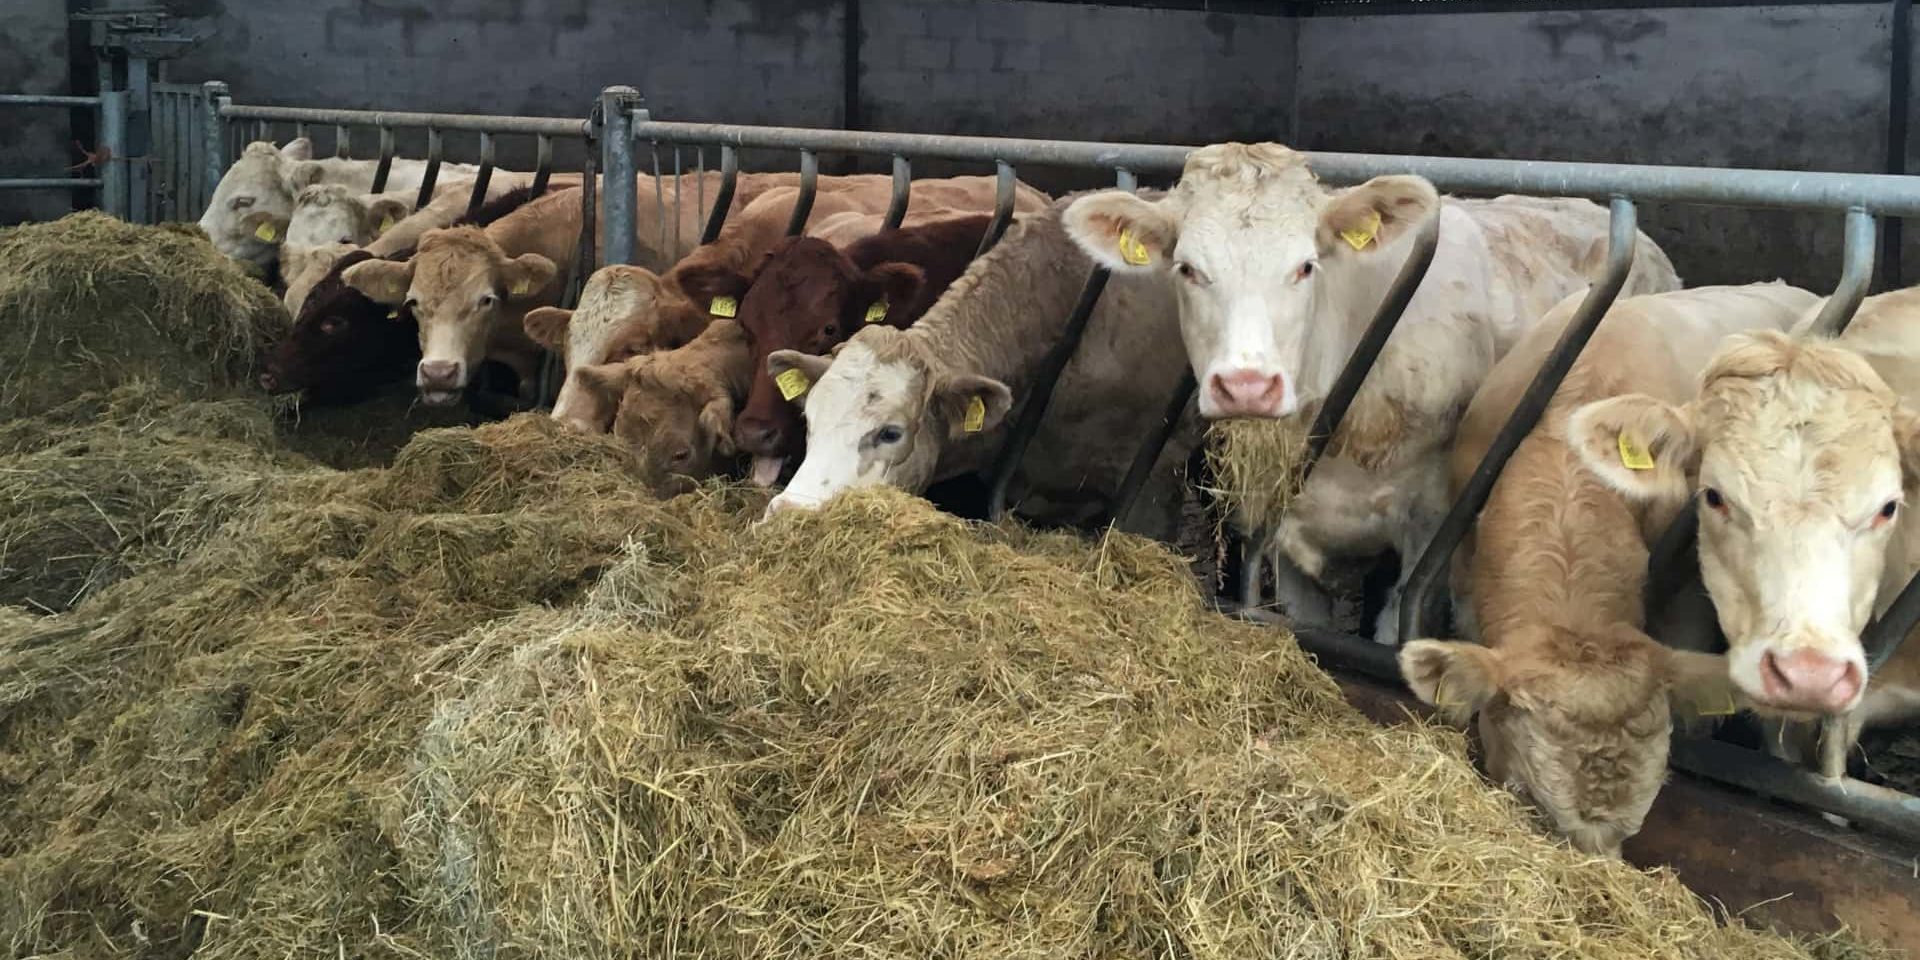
x=303 y=175
x=704 y=282
x=1642 y=447
x=1374 y=214
x=384 y=212
x=310 y=196
x=892 y=286
x=266 y=225
x=298 y=150
x=382 y=281
x=526 y=275
x=547 y=326
x=716 y=418
x=608 y=380
x=1699 y=684
x=971 y=404
x=1906 y=434
x=1121 y=231
x=1458 y=678
x=782 y=363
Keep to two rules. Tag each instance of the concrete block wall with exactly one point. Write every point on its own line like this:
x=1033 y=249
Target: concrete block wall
x=37 y=140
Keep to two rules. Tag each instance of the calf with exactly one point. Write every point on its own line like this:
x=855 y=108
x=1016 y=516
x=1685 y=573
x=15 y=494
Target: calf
x=807 y=295
x=743 y=241
x=1800 y=455
x=1574 y=697
x=1276 y=279
x=676 y=406
x=910 y=407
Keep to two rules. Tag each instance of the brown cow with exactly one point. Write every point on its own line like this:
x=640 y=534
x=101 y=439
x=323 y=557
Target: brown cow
x=1574 y=697
x=676 y=407
x=810 y=296
x=840 y=204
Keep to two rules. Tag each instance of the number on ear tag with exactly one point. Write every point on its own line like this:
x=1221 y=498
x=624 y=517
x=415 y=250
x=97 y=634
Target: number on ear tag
x=521 y=286
x=792 y=383
x=267 y=232
x=976 y=415
x=1359 y=237
x=877 y=312
x=1132 y=250
x=1633 y=456
x=725 y=307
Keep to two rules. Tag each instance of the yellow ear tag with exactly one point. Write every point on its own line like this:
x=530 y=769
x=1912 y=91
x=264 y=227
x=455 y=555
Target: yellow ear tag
x=386 y=223
x=1633 y=456
x=267 y=232
x=1726 y=711
x=726 y=307
x=1359 y=237
x=976 y=416
x=1132 y=250
x=792 y=383
x=393 y=314
x=877 y=312
x=521 y=286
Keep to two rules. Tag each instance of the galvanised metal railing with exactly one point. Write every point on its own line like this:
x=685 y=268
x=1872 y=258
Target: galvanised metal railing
x=110 y=177
x=620 y=125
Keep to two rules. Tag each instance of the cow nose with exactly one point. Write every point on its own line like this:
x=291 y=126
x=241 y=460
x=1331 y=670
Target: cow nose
x=269 y=382
x=1246 y=393
x=444 y=374
x=1809 y=680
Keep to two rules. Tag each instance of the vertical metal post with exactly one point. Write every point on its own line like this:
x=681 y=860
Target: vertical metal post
x=622 y=190
x=1417 y=592
x=428 y=179
x=1003 y=189
x=542 y=163
x=342 y=141
x=385 y=166
x=484 y=177
x=300 y=131
x=214 y=95
x=723 y=200
x=139 y=140
x=1149 y=452
x=1899 y=98
x=113 y=137
x=809 y=182
x=902 y=194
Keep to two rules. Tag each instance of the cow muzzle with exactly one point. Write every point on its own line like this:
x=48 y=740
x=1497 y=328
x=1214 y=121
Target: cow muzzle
x=440 y=381
x=1808 y=680
x=1245 y=392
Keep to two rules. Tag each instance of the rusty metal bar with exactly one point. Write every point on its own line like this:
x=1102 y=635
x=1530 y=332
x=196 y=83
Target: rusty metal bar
x=1004 y=183
x=1417 y=592
x=729 y=180
x=809 y=182
x=902 y=194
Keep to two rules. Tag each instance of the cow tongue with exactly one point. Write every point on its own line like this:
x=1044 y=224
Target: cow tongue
x=766 y=470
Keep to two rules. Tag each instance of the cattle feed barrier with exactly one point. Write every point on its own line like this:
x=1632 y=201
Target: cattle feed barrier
x=619 y=126
x=110 y=173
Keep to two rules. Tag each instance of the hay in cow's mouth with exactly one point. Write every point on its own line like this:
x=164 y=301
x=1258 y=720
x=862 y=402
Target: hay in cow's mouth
x=496 y=700
x=1256 y=469
x=90 y=303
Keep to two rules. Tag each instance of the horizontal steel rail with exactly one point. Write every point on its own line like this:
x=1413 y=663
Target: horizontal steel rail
x=577 y=128
x=45 y=100
x=49 y=183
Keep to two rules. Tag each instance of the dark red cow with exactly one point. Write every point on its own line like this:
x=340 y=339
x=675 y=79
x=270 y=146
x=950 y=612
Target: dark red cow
x=810 y=296
x=344 y=347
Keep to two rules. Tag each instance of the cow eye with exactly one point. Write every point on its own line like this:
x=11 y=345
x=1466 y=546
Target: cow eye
x=331 y=325
x=1187 y=272
x=888 y=434
x=1714 y=500
x=413 y=303
x=487 y=300
x=830 y=330
x=241 y=203
x=1305 y=271
x=346 y=240
x=681 y=456
x=1887 y=512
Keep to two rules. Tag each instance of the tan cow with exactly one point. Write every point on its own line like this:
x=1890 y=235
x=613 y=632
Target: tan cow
x=259 y=189
x=676 y=406
x=1574 y=697
x=907 y=408
x=1803 y=453
x=654 y=314
x=1277 y=277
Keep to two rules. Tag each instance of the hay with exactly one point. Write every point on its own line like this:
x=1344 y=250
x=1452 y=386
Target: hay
x=496 y=701
x=88 y=303
x=1256 y=468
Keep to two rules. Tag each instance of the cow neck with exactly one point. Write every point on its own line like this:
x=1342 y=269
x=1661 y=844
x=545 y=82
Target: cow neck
x=555 y=237
x=1003 y=316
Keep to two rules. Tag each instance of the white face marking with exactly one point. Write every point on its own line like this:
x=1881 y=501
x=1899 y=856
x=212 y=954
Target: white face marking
x=853 y=414
x=1247 y=287
x=612 y=299
x=254 y=183
x=336 y=218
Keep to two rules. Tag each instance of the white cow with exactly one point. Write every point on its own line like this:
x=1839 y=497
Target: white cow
x=1277 y=277
x=263 y=183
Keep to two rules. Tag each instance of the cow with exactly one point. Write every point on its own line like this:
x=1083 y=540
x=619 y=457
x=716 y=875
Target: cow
x=258 y=191
x=740 y=244
x=676 y=406
x=343 y=346
x=808 y=295
x=1575 y=698
x=1800 y=455
x=1277 y=277
x=471 y=288
x=906 y=408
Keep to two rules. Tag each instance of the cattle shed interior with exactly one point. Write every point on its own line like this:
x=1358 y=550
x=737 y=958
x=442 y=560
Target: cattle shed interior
x=1816 y=87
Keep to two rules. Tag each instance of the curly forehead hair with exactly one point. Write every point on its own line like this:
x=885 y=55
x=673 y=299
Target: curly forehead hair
x=1766 y=354
x=1247 y=163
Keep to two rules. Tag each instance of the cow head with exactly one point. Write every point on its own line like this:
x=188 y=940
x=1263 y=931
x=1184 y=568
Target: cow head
x=676 y=408
x=1800 y=456
x=342 y=345
x=1579 y=725
x=1276 y=276
x=879 y=411
x=251 y=206
x=624 y=312
x=329 y=213
x=459 y=286
x=809 y=297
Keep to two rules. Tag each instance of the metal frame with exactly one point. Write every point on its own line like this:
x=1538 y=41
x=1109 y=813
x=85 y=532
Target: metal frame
x=111 y=181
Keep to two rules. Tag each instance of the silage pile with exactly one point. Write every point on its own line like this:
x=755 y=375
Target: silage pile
x=495 y=701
